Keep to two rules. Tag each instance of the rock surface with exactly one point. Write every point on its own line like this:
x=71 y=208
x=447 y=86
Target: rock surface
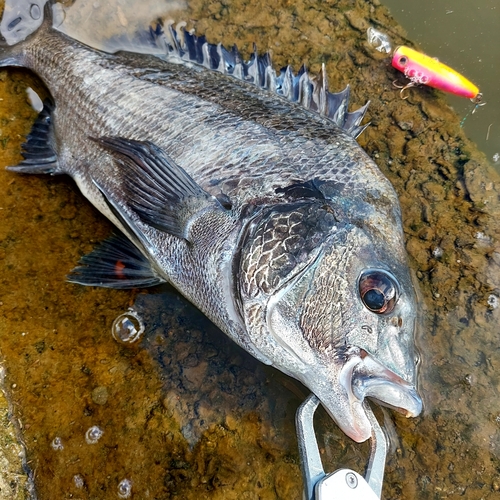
x=185 y=413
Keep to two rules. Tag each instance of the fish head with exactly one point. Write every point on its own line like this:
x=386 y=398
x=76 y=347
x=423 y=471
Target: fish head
x=329 y=303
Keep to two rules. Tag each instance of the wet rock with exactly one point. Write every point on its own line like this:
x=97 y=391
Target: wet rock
x=15 y=482
x=356 y=20
x=405 y=125
x=193 y=417
x=396 y=142
x=490 y=273
x=426 y=234
x=484 y=192
x=231 y=423
x=68 y=212
x=196 y=374
x=284 y=483
x=433 y=191
x=100 y=395
x=432 y=110
x=404 y=117
x=495 y=485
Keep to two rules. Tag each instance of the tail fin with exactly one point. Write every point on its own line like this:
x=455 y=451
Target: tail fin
x=20 y=19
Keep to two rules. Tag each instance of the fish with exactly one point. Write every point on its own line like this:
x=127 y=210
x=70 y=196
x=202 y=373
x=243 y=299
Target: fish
x=246 y=190
x=426 y=70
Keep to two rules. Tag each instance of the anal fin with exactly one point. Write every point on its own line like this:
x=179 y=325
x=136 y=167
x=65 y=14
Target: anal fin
x=38 y=151
x=115 y=263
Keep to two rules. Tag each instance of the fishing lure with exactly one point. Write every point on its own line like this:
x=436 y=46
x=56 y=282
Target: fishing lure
x=425 y=70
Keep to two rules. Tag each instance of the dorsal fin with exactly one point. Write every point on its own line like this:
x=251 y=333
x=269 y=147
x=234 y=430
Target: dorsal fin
x=310 y=92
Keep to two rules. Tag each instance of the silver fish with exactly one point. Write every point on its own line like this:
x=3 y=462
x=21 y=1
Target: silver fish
x=247 y=191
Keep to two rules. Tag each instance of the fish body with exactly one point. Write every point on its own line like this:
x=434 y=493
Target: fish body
x=425 y=70
x=264 y=212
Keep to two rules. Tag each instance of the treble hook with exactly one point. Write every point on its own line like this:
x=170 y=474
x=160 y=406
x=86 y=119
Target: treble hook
x=403 y=88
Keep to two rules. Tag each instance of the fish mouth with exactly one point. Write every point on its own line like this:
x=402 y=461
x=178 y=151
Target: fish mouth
x=364 y=377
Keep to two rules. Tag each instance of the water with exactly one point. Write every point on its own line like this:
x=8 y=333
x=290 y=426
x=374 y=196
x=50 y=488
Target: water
x=183 y=412
x=465 y=36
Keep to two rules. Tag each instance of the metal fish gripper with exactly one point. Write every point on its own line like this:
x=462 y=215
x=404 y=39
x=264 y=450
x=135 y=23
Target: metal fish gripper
x=343 y=484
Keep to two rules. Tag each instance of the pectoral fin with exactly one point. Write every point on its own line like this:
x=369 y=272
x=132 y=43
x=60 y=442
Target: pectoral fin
x=158 y=190
x=115 y=263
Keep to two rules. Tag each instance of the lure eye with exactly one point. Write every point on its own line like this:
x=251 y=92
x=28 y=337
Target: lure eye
x=378 y=291
x=403 y=60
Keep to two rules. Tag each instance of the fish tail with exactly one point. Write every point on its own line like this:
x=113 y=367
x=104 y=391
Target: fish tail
x=19 y=25
x=18 y=32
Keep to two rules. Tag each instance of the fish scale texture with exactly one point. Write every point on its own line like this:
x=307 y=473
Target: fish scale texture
x=294 y=212
x=229 y=136
x=223 y=132
x=285 y=242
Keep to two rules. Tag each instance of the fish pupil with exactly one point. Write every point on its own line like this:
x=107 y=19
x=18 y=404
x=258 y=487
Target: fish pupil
x=374 y=299
x=378 y=290
x=403 y=61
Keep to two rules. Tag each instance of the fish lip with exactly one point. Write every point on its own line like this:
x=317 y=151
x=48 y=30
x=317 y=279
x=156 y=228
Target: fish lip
x=371 y=379
x=364 y=377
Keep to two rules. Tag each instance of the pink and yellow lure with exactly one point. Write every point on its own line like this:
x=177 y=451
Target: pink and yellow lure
x=422 y=69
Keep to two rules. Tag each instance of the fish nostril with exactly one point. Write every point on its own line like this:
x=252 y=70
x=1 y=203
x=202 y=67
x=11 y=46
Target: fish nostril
x=397 y=321
x=416 y=359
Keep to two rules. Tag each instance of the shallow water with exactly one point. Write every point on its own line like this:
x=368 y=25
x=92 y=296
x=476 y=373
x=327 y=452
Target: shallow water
x=184 y=412
x=465 y=36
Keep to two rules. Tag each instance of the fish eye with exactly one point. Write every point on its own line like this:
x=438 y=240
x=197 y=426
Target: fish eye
x=403 y=60
x=378 y=291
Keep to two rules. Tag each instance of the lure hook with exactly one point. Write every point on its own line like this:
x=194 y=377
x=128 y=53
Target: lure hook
x=477 y=101
x=403 y=88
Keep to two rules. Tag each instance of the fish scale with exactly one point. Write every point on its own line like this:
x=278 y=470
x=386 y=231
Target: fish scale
x=246 y=190
x=283 y=117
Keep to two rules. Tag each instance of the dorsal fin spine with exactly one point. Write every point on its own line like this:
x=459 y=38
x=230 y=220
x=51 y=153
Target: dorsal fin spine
x=311 y=92
x=221 y=68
